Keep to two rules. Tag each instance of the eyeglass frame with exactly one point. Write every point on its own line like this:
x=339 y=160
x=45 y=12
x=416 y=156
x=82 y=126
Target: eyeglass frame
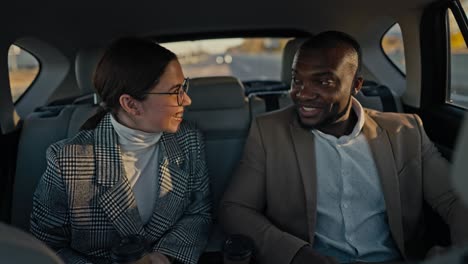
x=184 y=87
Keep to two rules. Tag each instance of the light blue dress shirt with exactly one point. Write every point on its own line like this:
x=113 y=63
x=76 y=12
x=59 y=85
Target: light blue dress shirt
x=351 y=214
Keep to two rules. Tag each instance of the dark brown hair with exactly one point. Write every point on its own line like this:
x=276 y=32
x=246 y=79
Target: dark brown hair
x=130 y=66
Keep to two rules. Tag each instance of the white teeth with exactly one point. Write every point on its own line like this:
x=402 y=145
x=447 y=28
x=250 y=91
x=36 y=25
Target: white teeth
x=308 y=109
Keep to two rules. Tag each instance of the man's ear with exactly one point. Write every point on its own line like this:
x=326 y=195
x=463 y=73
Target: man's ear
x=130 y=104
x=357 y=85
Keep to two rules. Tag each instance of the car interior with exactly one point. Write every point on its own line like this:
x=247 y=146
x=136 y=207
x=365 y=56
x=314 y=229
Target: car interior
x=415 y=60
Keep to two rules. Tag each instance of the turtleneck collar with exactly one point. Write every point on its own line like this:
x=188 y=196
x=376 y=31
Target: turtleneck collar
x=132 y=139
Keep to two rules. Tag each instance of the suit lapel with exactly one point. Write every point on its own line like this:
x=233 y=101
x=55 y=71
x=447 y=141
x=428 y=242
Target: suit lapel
x=117 y=199
x=303 y=141
x=173 y=175
x=382 y=152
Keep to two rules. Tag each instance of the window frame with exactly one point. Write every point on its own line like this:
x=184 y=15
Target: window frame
x=435 y=66
x=441 y=120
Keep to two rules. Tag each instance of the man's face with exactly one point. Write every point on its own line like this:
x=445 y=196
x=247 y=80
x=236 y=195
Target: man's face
x=323 y=81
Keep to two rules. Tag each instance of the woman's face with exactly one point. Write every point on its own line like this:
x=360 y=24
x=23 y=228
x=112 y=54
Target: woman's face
x=161 y=112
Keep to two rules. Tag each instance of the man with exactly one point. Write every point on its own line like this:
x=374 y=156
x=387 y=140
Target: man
x=327 y=181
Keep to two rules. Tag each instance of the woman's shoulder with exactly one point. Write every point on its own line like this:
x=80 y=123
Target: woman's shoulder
x=188 y=128
x=82 y=138
x=188 y=134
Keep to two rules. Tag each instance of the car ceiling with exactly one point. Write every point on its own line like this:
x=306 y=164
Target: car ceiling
x=82 y=23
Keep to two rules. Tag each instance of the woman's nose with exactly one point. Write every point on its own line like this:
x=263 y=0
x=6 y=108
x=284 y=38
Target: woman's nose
x=187 y=100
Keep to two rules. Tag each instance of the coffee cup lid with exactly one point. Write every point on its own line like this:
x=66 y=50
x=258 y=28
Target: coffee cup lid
x=238 y=247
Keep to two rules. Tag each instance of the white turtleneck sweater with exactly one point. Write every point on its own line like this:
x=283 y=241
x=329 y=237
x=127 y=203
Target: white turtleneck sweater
x=140 y=159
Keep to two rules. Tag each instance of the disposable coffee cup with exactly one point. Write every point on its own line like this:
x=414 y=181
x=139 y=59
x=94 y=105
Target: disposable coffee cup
x=238 y=249
x=130 y=250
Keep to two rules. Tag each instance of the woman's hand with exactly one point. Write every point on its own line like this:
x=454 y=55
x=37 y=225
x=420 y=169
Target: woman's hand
x=158 y=258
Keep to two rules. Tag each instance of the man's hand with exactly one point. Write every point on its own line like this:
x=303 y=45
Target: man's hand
x=307 y=255
x=158 y=258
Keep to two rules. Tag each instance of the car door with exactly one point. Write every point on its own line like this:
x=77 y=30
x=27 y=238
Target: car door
x=444 y=85
x=444 y=64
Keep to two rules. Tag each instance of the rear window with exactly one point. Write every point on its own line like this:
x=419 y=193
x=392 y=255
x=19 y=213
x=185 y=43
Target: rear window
x=392 y=45
x=246 y=58
x=23 y=69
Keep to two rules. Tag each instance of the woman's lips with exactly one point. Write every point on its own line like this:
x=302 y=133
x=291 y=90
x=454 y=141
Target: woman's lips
x=179 y=116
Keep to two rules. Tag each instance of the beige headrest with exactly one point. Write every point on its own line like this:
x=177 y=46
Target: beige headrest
x=215 y=93
x=288 y=56
x=85 y=63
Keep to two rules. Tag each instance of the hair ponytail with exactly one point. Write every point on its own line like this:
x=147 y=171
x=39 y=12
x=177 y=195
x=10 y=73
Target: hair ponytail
x=94 y=120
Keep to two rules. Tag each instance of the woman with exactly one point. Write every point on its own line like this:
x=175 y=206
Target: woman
x=136 y=168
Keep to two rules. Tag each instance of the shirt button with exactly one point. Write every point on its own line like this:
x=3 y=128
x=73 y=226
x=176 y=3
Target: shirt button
x=351 y=239
x=345 y=205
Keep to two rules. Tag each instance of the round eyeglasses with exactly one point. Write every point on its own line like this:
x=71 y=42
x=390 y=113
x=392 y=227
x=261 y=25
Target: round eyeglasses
x=180 y=91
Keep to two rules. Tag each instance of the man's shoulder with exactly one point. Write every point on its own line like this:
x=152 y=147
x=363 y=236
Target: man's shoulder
x=394 y=121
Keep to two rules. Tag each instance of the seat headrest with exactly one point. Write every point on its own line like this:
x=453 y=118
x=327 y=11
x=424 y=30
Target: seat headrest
x=85 y=63
x=288 y=56
x=460 y=166
x=208 y=93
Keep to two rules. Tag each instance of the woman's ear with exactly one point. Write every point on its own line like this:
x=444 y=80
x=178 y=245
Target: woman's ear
x=130 y=104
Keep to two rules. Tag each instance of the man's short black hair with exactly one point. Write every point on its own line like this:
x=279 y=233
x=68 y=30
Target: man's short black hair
x=330 y=39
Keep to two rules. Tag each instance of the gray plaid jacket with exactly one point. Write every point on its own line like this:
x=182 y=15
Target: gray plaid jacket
x=83 y=204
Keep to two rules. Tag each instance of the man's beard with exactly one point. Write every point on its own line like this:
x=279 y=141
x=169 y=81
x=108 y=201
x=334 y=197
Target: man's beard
x=327 y=121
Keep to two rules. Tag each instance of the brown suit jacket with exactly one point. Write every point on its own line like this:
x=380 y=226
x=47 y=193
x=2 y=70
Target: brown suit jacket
x=272 y=196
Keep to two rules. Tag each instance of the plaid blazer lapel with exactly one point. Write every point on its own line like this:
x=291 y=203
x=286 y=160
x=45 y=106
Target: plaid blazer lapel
x=117 y=200
x=173 y=175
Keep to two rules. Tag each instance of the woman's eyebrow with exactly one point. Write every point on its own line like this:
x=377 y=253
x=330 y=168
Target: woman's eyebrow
x=175 y=87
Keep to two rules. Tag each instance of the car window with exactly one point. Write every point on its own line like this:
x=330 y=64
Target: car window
x=457 y=93
x=392 y=45
x=23 y=69
x=246 y=58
